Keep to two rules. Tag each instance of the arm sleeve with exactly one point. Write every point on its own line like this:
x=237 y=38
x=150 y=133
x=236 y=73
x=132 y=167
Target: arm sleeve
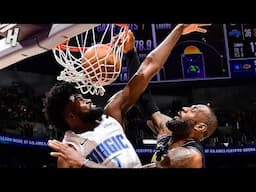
x=133 y=62
x=146 y=102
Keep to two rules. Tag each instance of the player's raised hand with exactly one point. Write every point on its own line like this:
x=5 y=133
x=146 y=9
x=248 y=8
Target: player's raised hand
x=71 y=157
x=130 y=42
x=189 y=28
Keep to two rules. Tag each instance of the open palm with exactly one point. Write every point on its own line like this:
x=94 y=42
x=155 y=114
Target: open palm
x=189 y=28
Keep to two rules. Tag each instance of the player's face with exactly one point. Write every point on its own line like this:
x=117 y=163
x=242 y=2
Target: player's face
x=187 y=118
x=195 y=112
x=86 y=110
x=84 y=105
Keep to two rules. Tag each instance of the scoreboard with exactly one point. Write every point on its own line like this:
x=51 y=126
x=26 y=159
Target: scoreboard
x=196 y=56
x=241 y=49
x=226 y=51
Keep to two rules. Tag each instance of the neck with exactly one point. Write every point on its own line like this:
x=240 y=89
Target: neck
x=84 y=127
x=175 y=142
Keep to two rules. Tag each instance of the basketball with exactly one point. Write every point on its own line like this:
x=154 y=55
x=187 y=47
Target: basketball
x=101 y=64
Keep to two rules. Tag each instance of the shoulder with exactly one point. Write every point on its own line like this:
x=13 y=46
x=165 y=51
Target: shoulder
x=108 y=123
x=69 y=135
x=185 y=157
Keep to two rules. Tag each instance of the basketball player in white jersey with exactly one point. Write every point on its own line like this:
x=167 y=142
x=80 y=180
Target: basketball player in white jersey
x=106 y=145
x=95 y=135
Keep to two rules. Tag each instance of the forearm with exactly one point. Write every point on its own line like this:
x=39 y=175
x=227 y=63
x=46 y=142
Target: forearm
x=146 y=102
x=159 y=124
x=159 y=57
x=132 y=62
x=150 y=66
x=160 y=54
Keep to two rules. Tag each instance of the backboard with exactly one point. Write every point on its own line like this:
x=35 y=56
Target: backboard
x=21 y=41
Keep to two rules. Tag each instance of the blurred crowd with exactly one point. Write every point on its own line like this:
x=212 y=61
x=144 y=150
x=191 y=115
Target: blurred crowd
x=22 y=112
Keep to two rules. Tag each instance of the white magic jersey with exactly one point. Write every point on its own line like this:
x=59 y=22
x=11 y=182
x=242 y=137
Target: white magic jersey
x=106 y=145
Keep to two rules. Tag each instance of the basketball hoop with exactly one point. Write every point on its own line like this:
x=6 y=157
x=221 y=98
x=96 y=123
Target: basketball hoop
x=92 y=71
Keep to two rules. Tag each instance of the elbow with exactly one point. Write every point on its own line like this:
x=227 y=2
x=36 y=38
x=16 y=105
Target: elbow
x=151 y=58
x=151 y=63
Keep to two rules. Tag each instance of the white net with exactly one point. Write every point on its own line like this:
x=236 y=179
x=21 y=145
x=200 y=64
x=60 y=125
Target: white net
x=92 y=59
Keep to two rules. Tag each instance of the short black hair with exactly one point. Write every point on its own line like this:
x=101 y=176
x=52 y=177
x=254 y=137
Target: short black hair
x=56 y=100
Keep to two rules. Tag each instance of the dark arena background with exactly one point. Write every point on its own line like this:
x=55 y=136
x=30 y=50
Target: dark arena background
x=218 y=67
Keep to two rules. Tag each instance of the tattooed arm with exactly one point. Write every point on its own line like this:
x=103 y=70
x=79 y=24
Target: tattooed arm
x=181 y=157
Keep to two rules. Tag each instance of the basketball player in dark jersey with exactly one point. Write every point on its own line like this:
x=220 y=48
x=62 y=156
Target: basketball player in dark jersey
x=179 y=138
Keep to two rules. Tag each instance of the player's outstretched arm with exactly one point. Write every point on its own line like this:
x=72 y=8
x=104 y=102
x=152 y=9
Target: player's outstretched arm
x=126 y=98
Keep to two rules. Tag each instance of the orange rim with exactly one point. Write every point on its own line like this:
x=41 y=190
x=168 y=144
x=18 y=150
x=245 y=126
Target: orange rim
x=63 y=45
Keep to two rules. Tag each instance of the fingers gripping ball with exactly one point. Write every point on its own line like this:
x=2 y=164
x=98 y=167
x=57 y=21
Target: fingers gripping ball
x=101 y=64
